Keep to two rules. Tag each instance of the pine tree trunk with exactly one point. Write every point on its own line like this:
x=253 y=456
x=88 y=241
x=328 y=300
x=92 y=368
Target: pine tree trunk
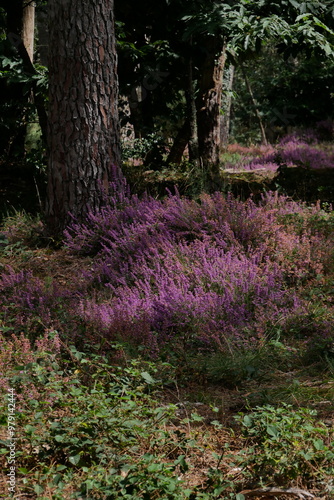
x=208 y=111
x=83 y=132
x=42 y=42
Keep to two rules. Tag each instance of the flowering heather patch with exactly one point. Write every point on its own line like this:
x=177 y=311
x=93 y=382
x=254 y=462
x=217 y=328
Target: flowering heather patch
x=200 y=273
x=195 y=290
x=305 y=155
x=299 y=148
x=207 y=273
x=322 y=131
x=293 y=151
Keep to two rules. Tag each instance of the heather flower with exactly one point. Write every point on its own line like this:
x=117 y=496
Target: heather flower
x=211 y=273
x=186 y=268
x=293 y=151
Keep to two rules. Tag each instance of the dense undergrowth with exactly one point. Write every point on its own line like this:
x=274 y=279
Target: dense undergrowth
x=164 y=294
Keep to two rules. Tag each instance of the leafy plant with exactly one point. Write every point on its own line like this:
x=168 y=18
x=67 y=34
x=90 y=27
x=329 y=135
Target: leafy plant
x=94 y=429
x=285 y=443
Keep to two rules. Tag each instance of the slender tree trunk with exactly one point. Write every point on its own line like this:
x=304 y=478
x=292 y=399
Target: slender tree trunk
x=208 y=110
x=226 y=117
x=135 y=111
x=192 y=115
x=255 y=105
x=141 y=111
x=83 y=117
x=20 y=26
x=28 y=30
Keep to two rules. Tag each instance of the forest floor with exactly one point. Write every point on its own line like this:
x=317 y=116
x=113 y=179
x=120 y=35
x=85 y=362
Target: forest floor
x=204 y=414
x=207 y=412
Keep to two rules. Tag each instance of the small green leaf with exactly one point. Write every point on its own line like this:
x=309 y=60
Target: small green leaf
x=318 y=444
x=74 y=459
x=147 y=377
x=247 y=421
x=272 y=430
x=57 y=478
x=54 y=425
x=30 y=429
x=60 y=468
x=196 y=418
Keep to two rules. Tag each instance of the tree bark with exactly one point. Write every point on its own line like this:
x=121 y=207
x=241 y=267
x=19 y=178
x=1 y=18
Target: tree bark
x=208 y=110
x=179 y=145
x=83 y=129
x=42 y=43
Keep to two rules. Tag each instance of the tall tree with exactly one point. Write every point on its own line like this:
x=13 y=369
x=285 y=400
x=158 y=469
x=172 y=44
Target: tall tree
x=83 y=117
x=209 y=104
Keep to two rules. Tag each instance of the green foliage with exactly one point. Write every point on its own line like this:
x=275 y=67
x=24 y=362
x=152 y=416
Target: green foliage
x=289 y=27
x=94 y=429
x=285 y=443
x=13 y=71
x=288 y=94
x=248 y=25
x=138 y=149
